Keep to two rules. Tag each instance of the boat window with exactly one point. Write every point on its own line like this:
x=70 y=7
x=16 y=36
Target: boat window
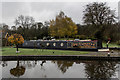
x=61 y=44
x=26 y=43
x=48 y=44
x=38 y=43
x=54 y=44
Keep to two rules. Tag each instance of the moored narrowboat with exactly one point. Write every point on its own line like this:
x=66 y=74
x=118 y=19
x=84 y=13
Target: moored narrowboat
x=63 y=44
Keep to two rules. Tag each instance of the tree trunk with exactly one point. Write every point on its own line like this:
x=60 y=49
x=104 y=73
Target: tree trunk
x=59 y=37
x=67 y=37
x=64 y=37
x=17 y=47
x=17 y=63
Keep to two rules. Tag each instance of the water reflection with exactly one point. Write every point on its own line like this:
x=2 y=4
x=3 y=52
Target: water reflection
x=62 y=68
x=18 y=70
x=43 y=62
x=28 y=64
x=100 y=69
x=3 y=63
x=63 y=65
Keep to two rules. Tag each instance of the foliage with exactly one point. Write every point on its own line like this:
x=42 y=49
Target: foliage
x=4 y=42
x=118 y=42
x=25 y=22
x=98 y=14
x=62 y=26
x=16 y=39
x=38 y=29
x=99 y=20
x=99 y=23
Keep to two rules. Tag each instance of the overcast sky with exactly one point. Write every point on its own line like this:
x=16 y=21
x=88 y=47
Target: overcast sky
x=45 y=11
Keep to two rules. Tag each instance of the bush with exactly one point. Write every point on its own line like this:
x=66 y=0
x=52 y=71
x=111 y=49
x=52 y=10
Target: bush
x=82 y=37
x=93 y=38
x=77 y=36
x=118 y=42
x=5 y=42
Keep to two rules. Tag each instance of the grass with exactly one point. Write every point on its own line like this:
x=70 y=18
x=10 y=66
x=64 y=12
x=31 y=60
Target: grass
x=111 y=45
x=7 y=51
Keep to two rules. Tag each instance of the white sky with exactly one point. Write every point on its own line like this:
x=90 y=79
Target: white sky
x=45 y=10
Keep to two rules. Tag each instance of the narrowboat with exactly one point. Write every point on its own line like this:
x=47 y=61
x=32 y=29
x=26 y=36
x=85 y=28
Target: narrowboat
x=63 y=44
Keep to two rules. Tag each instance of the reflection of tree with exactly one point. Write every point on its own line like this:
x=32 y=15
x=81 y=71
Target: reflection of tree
x=100 y=69
x=63 y=65
x=43 y=62
x=18 y=71
x=3 y=63
x=28 y=64
x=43 y=68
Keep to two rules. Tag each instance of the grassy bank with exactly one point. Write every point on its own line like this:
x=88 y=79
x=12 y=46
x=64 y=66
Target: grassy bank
x=7 y=51
x=111 y=45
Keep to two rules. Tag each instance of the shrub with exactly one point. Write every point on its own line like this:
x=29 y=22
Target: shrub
x=118 y=42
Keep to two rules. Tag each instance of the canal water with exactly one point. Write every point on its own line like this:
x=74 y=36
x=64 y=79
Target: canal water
x=60 y=69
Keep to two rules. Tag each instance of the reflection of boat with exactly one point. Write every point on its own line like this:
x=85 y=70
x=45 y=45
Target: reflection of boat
x=63 y=44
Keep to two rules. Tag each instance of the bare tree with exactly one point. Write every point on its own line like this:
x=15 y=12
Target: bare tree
x=13 y=28
x=25 y=22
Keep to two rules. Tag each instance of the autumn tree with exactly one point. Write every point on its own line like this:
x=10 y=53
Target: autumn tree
x=16 y=39
x=62 y=26
x=98 y=16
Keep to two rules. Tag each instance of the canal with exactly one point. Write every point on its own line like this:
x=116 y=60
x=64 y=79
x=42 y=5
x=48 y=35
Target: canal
x=60 y=69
